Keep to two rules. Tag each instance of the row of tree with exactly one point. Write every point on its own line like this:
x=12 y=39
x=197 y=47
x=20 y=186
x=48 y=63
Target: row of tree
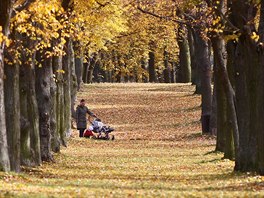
x=48 y=48
x=225 y=37
x=43 y=46
x=230 y=35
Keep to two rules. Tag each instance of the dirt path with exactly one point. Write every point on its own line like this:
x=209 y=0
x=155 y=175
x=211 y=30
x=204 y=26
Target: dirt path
x=146 y=111
x=158 y=151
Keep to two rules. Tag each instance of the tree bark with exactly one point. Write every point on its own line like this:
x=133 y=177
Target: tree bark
x=4 y=157
x=221 y=111
x=79 y=71
x=55 y=144
x=33 y=114
x=166 y=72
x=29 y=116
x=173 y=72
x=92 y=64
x=12 y=109
x=246 y=94
x=85 y=71
x=66 y=66
x=194 y=73
x=5 y=14
x=58 y=135
x=219 y=51
x=261 y=94
x=213 y=120
x=205 y=72
x=151 y=68
x=197 y=70
x=230 y=147
x=43 y=84
x=184 y=56
x=25 y=124
x=246 y=82
x=74 y=83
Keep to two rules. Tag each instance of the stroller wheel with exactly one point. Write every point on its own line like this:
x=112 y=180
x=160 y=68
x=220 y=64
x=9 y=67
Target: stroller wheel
x=113 y=138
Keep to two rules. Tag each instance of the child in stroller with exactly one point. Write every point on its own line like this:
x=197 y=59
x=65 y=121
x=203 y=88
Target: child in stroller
x=98 y=130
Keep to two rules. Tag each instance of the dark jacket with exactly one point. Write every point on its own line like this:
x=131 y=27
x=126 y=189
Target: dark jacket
x=81 y=119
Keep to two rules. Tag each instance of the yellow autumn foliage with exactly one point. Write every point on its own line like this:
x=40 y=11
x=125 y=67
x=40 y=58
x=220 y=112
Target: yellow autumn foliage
x=89 y=23
x=3 y=38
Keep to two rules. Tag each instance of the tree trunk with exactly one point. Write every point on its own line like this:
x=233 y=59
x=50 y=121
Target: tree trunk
x=43 y=84
x=225 y=101
x=173 y=72
x=12 y=109
x=85 y=71
x=246 y=94
x=67 y=87
x=197 y=70
x=110 y=76
x=74 y=83
x=33 y=114
x=55 y=144
x=78 y=64
x=152 y=69
x=194 y=73
x=230 y=146
x=184 y=56
x=4 y=157
x=219 y=52
x=58 y=135
x=5 y=13
x=91 y=69
x=25 y=123
x=226 y=118
x=246 y=84
x=221 y=112
x=205 y=72
x=96 y=72
x=213 y=120
x=261 y=95
x=229 y=152
x=166 y=72
x=29 y=115
x=79 y=71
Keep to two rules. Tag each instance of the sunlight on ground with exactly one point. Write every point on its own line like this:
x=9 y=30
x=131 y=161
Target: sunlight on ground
x=158 y=152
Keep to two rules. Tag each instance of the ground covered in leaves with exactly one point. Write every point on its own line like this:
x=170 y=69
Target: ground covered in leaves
x=158 y=152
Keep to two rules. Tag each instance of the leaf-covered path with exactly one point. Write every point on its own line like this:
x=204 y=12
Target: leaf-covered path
x=158 y=151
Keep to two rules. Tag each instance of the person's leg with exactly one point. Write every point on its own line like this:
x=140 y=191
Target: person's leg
x=81 y=131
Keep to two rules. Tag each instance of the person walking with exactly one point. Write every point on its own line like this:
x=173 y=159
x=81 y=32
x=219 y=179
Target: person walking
x=81 y=119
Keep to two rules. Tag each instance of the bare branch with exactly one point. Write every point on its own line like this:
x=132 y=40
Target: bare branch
x=218 y=10
x=23 y=6
x=127 y=35
x=101 y=4
x=167 y=18
x=227 y=20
